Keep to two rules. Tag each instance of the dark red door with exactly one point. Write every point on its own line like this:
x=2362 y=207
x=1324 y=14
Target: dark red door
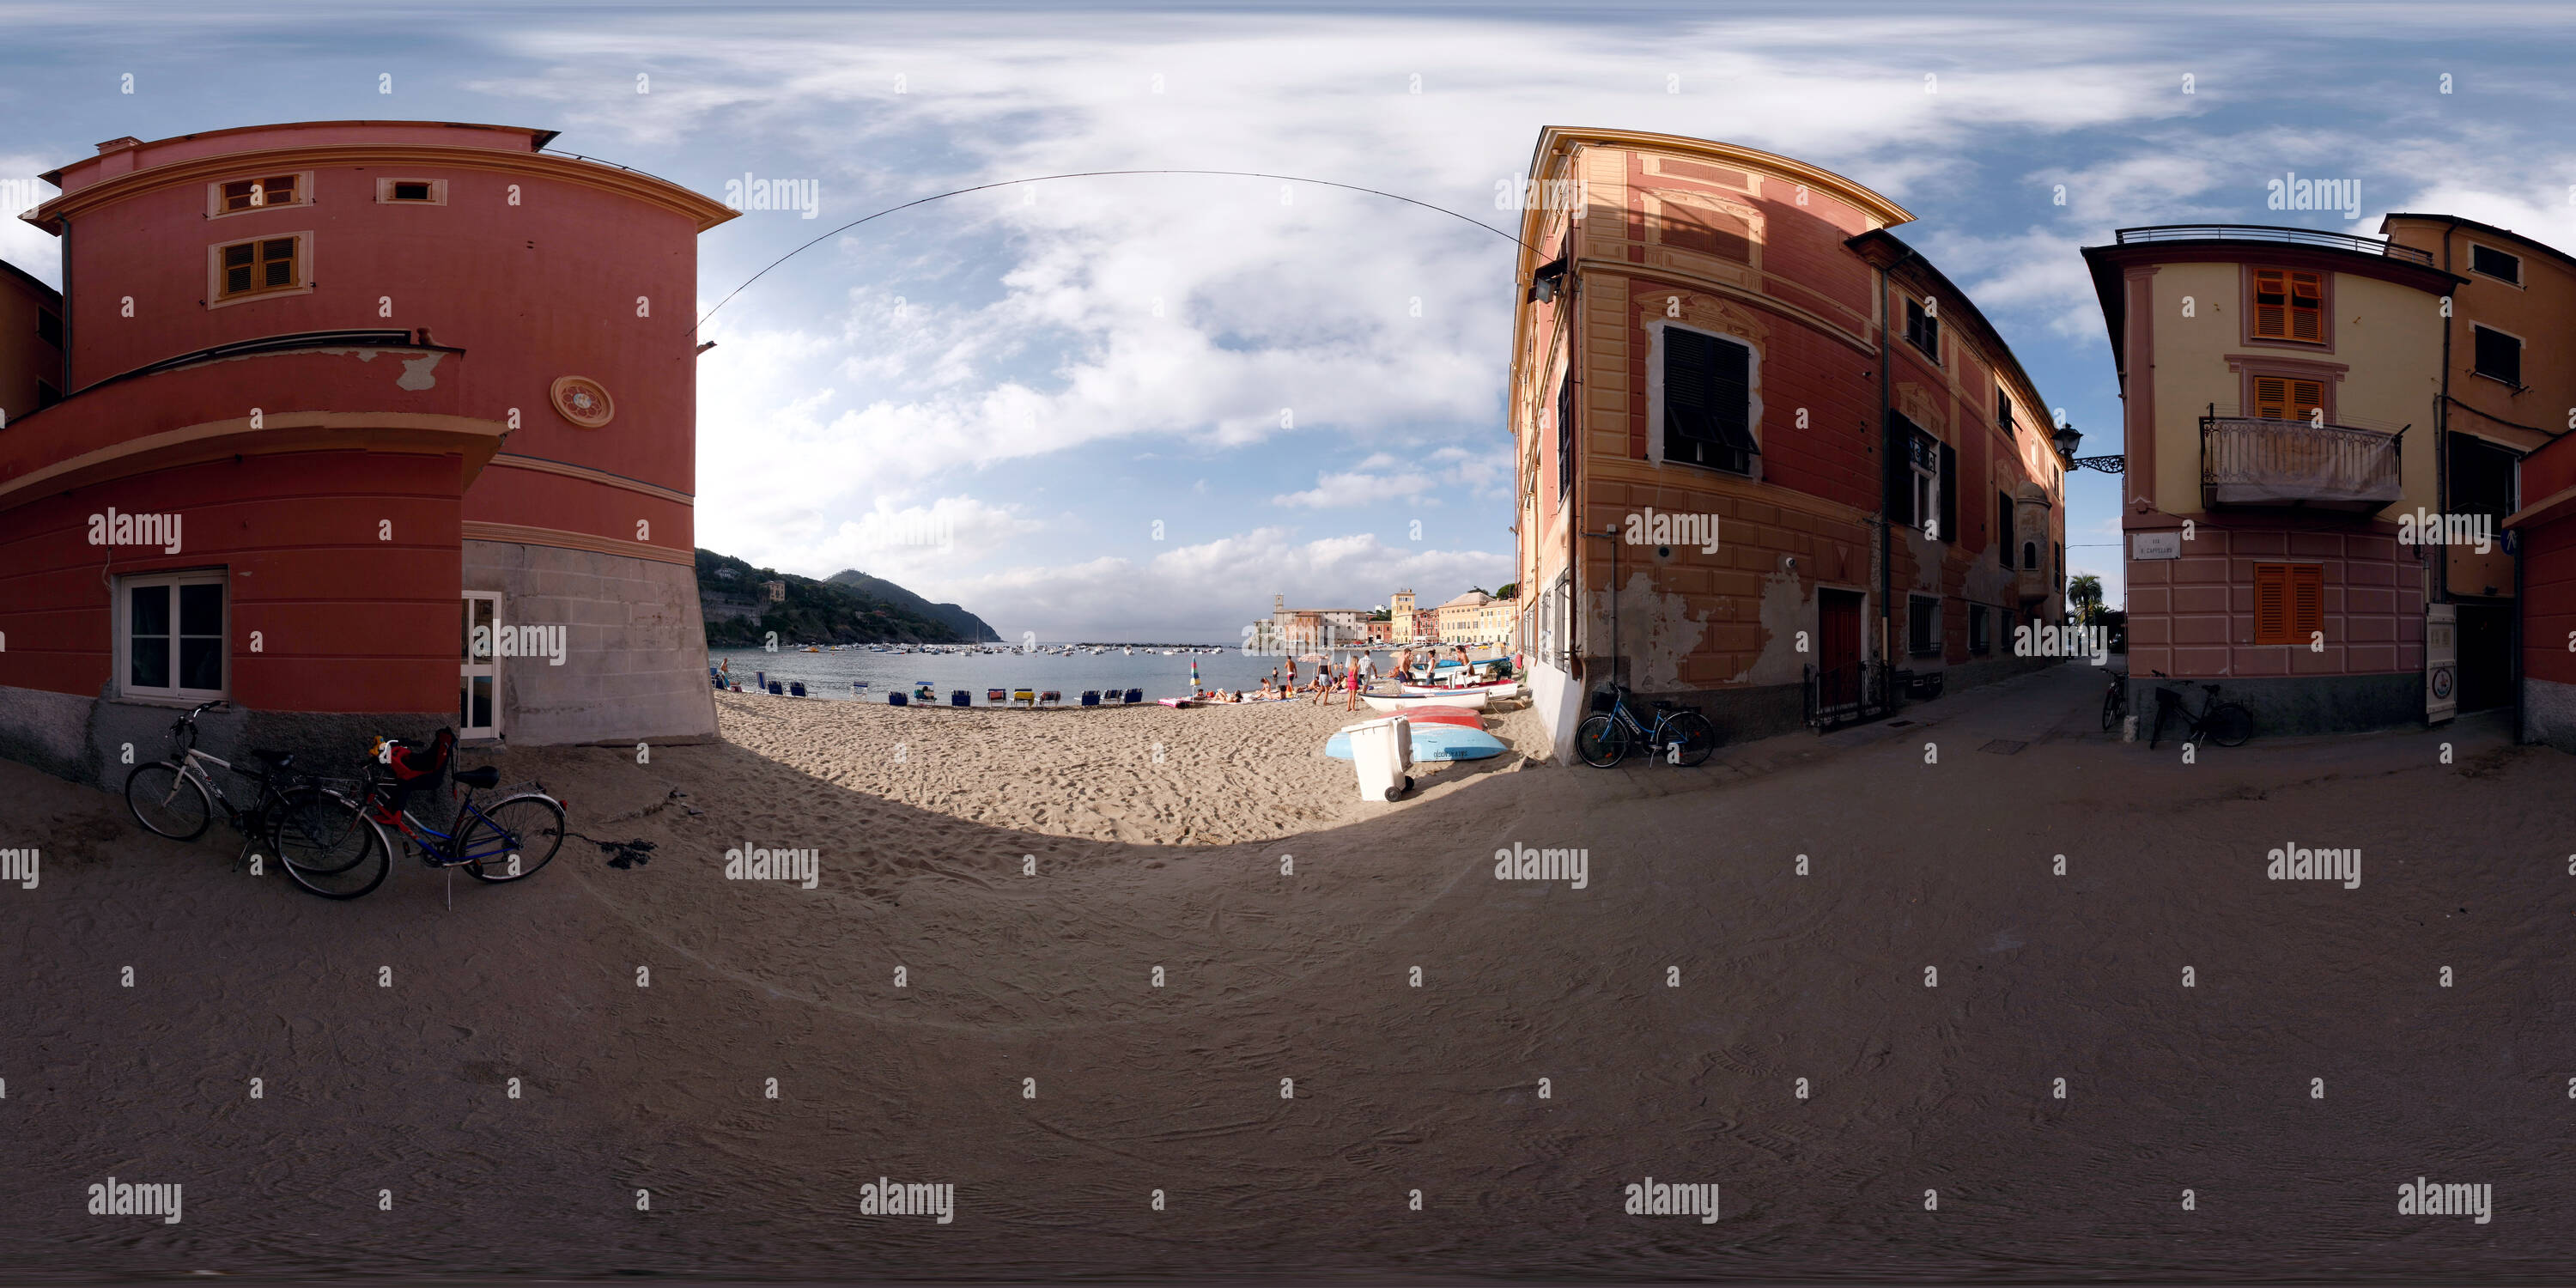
x=1838 y=687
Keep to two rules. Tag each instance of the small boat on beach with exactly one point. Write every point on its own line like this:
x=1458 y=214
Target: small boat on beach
x=1490 y=688
x=1431 y=742
x=1407 y=702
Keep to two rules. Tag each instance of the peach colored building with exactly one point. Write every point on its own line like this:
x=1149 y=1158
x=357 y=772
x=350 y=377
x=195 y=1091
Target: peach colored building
x=1767 y=455
x=2280 y=390
x=361 y=387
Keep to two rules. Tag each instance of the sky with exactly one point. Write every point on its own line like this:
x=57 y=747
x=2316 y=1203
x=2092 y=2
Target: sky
x=1140 y=406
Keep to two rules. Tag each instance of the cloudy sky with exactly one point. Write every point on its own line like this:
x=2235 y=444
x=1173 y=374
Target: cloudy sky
x=1138 y=406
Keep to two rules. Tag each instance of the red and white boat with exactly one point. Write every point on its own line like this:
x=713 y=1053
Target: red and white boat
x=1490 y=688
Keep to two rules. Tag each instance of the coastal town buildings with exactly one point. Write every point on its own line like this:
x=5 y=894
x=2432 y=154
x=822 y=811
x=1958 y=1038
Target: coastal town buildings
x=364 y=426
x=1767 y=455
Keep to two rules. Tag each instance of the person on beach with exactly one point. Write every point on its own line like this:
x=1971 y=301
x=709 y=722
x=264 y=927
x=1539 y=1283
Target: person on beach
x=1292 y=674
x=1351 y=683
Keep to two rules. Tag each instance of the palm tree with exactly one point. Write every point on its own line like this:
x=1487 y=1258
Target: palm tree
x=2084 y=591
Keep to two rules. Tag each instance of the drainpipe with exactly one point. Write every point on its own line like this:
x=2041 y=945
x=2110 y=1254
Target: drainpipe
x=2442 y=443
x=1886 y=471
x=1571 y=288
x=2515 y=670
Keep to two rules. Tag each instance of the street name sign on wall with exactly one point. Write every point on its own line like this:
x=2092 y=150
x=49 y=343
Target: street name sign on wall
x=2155 y=545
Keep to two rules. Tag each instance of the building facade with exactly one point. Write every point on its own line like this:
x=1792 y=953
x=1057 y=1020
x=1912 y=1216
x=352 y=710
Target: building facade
x=365 y=426
x=2546 y=594
x=2281 y=394
x=1766 y=453
x=2508 y=380
x=31 y=344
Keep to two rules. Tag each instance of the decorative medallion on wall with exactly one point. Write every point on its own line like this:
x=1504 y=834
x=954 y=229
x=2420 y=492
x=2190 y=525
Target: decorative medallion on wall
x=582 y=401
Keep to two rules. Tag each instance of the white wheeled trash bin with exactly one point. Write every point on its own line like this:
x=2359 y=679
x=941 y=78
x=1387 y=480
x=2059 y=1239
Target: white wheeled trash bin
x=1382 y=753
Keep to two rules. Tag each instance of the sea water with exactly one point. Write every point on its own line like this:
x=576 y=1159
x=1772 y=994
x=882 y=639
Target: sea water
x=828 y=674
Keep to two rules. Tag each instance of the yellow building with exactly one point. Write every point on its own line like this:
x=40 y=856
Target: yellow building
x=2280 y=393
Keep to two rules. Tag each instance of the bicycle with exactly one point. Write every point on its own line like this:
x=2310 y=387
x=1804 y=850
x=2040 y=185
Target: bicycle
x=2224 y=723
x=297 y=819
x=509 y=841
x=1682 y=734
x=2115 y=701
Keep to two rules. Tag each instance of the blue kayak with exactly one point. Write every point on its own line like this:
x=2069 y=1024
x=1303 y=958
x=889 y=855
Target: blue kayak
x=1432 y=742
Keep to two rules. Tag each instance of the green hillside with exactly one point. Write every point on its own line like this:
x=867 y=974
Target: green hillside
x=740 y=613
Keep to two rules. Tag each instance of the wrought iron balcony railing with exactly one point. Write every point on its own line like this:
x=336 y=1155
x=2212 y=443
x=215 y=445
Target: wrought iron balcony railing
x=2268 y=233
x=2245 y=461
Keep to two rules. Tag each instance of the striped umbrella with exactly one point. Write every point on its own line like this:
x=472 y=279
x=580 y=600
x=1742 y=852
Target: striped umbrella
x=1194 y=675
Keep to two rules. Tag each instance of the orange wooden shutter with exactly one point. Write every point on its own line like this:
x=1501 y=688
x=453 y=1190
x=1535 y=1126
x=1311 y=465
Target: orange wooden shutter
x=2306 y=397
x=2307 y=307
x=2271 y=398
x=2271 y=603
x=2271 y=303
x=2307 y=600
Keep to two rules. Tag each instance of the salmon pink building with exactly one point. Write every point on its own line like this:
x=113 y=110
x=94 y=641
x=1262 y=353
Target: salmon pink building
x=361 y=426
x=1770 y=461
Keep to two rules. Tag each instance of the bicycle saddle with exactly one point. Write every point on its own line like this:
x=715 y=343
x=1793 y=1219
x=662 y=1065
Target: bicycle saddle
x=485 y=778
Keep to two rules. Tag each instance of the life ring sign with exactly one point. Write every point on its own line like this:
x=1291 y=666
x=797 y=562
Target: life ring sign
x=582 y=401
x=2441 y=683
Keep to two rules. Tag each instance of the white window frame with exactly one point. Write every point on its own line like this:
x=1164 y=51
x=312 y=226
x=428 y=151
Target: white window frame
x=1927 y=487
x=1655 y=394
x=124 y=627
x=468 y=670
x=2517 y=257
x=303 y=194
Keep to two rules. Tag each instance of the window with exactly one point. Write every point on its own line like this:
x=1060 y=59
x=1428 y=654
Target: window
x=49 y=327
x=2030 y=554
x=2495 y=263
x=47 y=395
x=1977 y=641
x=260 y=193
x=2289 y=306
x=1708 y=401
x=1565 y=435
x=2058 y=567
x=2003 y=410
x=259 y=267
x=2480 y=476
x=170 y=635
x=2289 y=602
x=413 y=192
x=2285 y=398
x=2499 y=355
x=1923 y=626
x=1923 y=326
x=2004 y=528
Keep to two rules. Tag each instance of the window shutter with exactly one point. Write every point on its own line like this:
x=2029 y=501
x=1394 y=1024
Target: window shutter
x=2271 y=303
x=2271 y=398
x=2271 y=604
x=2306 y=398
x=2307 y=600
x=1900 y=471
x=1565 y=435
x=2307 y=307
x=1949 y=494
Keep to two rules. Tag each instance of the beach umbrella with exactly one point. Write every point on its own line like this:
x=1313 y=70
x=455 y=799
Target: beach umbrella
x=1194 y=675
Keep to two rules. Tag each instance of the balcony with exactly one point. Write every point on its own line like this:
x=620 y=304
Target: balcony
x=2287 y=236
x=2246 y=462
x=2032 y=585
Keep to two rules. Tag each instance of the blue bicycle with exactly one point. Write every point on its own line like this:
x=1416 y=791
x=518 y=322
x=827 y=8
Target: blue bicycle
x=505 y=841
x=1680 y=734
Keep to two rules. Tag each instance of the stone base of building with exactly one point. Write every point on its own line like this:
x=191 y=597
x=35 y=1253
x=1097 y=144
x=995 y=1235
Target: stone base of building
x=98 y=741
x=1746 y=713
x=635 y=645
x=2549 y=713
x=2289 y=706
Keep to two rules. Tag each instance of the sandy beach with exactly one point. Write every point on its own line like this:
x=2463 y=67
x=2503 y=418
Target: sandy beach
x=1223 y=1015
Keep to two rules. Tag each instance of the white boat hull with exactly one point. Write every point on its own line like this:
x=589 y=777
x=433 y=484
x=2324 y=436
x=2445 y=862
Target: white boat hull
x=1504 y=689
x=1462 y=698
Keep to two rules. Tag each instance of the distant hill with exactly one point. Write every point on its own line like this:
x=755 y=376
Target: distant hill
x=968 y=626
x=869 y=610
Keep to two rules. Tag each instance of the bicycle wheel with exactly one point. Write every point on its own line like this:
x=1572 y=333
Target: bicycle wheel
x=168 y=802
x=1601 y=741
x=512 y=839
x=2227 y=724
x=326 y=845
x=1696 y=737
x=2114 y=705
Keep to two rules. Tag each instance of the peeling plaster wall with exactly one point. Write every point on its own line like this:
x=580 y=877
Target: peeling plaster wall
x=1788 y=607
x=1657 y=633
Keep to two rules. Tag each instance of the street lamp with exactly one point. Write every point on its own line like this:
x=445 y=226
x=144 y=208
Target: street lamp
x=2067 y=437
